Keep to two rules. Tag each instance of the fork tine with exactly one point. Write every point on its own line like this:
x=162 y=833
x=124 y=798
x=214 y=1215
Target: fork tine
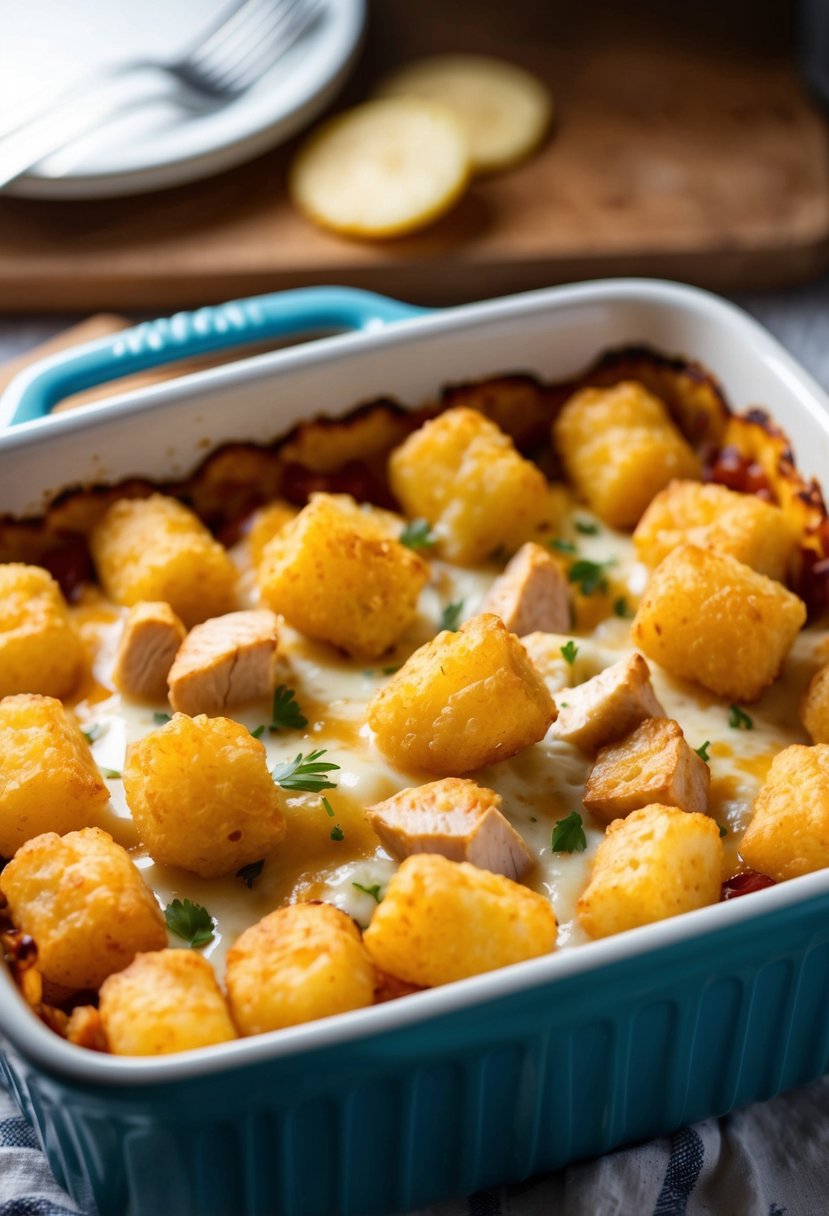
x=225 y=30
x=257 y=47
x=248 y=24
x=222 y=59
x=266 y=25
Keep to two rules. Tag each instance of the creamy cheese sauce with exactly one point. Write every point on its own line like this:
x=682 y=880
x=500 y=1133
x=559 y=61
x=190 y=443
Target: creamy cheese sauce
x=542 y=784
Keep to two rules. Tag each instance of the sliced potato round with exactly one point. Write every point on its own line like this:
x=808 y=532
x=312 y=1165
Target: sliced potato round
x=504 y=110
x=382 y=169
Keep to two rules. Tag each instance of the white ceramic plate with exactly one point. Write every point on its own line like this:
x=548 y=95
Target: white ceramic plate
x=46 y=45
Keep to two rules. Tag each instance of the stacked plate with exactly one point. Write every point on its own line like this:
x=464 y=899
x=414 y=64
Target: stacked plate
x=47 y=45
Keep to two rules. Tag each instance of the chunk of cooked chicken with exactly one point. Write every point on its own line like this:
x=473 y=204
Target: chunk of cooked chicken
x=224 y=661
x=150 y=639
x=532 y=593
x=652 y=764
x=609 y=706
x=455 y=817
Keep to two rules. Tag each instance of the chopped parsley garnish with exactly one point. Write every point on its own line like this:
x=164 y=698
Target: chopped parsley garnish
x=259 y=732
x=723 y=830
x=286 y=714
x=590 y=576
x=191 y=922
x=738 y=719
x=451 y=616
x=568 y=835
x=337 y=833
x=307 y=773
x=622 y=608
x=327 y=807
x=586 y=527
x=374 y=891
x=702 y=751
x=111 y=773
x=391 y=669
x=161 y=719
x=569 y=651
x=418 y=535
x=93 y=733
x=250 y=873
x=562 y=546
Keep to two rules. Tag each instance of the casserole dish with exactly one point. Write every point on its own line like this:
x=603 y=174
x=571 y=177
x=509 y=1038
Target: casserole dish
x=501 y=1076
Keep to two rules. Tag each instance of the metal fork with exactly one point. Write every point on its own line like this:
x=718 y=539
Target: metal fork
x=226 y=61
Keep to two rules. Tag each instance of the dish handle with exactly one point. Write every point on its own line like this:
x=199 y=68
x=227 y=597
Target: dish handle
x=35 y=392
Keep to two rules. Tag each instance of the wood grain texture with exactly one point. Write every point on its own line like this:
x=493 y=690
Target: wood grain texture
x=684 y=146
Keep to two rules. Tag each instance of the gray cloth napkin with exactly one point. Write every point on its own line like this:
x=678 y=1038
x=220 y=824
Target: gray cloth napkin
x=770 y=1159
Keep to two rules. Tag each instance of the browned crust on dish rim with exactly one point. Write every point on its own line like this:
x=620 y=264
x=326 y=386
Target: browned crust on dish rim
x=348 y=454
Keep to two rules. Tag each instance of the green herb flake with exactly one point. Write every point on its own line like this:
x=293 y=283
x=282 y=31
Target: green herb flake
x=723 y=830
x=337 y=833
x=191 y=922
x=391 y=669
x=702 y=751
x=250 y=873
x=307 y=773
x=568 y=835
x=621 y=608
x=418 y=535
x=451 y=616
x=569 y=651
x=562 y=546
x=93 y=733
x=161 y=719
x=374 y=891
x=259 y=732
x=111 y=773
x=286 y=714
x=590 y=576
x=586 y=527
x=738 y=719
x=327 y=807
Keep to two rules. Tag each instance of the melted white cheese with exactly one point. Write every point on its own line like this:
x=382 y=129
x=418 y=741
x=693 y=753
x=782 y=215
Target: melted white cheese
x=539 y=786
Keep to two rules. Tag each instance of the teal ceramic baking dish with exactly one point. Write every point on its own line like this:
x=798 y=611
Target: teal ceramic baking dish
x=498 y=1077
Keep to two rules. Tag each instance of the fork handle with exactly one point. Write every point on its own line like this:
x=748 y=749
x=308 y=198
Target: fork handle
x=35 y=391
x=68 y=117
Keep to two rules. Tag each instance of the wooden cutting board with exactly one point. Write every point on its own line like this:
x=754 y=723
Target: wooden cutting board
x=685 y=146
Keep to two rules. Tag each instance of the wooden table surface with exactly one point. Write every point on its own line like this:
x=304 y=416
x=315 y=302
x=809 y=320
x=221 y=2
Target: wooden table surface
x=685 y=146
